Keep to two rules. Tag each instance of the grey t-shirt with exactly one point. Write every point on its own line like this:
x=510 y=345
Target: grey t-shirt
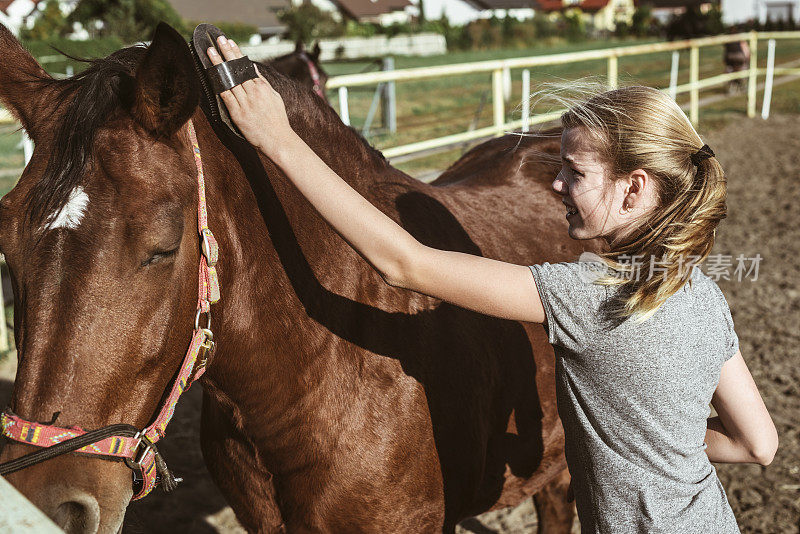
x=634 y=400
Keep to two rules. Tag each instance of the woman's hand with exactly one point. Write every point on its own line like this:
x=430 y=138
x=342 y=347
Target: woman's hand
x=254 y=106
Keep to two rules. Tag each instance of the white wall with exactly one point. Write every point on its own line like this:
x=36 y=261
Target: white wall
x=458 y=12
x=15 y=15
x=419 y=44
x=738 y=11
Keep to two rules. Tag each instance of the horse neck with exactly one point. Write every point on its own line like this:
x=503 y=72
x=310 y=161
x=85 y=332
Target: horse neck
x=278 y=258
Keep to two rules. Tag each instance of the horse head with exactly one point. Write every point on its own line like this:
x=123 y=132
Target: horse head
x=100 y=235
x=304 y=67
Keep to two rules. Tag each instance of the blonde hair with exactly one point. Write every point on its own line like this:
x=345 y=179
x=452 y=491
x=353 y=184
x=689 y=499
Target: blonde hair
x=642 y=128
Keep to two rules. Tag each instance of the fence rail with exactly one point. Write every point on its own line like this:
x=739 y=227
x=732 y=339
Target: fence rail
x=611 y=55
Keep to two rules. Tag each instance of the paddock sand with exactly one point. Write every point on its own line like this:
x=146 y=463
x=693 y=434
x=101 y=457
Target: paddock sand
x=762 y=160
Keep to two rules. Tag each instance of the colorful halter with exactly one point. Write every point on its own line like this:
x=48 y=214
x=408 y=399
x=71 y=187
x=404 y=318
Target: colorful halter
x=124 y=442
x=315 y=77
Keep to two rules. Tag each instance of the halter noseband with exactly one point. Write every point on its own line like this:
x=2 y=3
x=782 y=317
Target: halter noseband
x=123 y=442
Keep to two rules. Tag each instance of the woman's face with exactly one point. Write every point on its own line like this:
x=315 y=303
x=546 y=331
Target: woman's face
x=594 y=202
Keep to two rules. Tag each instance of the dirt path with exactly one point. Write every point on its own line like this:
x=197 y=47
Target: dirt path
x=762 y=160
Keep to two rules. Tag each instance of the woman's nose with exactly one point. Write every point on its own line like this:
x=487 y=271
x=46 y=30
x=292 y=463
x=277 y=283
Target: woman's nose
x=559 y=186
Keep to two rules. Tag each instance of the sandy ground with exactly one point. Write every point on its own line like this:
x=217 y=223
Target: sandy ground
x=762 y=160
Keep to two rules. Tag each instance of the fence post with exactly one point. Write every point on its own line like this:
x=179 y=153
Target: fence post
x=507 y=84
x=389 y=99
x=694 y=76
x=673 y=75
x=3 y=329
x=768 y=81
x=526 y=99
x=344 y=112
x=612 y=72
x=497 y=101
x=27 y=147
x=751 y=85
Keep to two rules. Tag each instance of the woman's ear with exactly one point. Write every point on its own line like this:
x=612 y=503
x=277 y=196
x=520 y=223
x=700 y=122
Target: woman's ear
x=639 y=190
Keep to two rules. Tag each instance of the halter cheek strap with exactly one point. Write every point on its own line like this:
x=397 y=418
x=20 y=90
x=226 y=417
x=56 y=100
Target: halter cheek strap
x=315 y=77
x=123 y=442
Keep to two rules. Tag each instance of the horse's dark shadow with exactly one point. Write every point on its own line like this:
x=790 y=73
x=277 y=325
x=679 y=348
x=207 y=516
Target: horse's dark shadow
x=476 y=370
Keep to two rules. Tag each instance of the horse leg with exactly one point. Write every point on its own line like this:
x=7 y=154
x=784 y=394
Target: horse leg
x=235 y=470
x=555 y=513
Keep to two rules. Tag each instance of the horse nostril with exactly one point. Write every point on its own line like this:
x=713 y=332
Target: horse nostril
x=78 y=516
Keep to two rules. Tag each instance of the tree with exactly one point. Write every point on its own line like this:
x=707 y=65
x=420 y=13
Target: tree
x=642 y=20
x=130 y=20
x=306 y=22
x=50 y=23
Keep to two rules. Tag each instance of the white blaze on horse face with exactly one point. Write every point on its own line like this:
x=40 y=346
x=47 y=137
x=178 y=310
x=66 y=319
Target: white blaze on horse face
x=71 y=214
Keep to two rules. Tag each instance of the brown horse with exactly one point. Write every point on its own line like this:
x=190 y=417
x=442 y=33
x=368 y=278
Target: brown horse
x=303 y=66
x=334 y=402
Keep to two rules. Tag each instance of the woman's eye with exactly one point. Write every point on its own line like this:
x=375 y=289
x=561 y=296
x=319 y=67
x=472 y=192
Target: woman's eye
x=158 y=256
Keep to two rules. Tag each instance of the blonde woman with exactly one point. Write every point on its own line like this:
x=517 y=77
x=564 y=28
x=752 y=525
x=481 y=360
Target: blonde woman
x=639 y=359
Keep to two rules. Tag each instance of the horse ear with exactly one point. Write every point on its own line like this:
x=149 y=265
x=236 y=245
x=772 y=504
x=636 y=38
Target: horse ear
x=315 y=52
x=21 y=87
x=166 y=91
x=298 y=46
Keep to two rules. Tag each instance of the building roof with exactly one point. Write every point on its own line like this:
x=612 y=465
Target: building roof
x=369 y=8
x=671 y=4
x=503 y=4
x=583 y=5
x=261 y=13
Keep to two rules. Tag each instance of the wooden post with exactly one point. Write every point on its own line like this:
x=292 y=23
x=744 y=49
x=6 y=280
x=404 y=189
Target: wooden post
x=612 y=72
x=751 y=85
x=768 y=81
x=3 y=330
x=344 y=111
x=497 y=101
x=694 y=93
x=673 y=75
x=389 y=99
x=526 y=100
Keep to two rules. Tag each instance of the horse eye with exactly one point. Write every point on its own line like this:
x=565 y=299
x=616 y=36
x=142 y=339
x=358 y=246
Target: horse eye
x=158 y=256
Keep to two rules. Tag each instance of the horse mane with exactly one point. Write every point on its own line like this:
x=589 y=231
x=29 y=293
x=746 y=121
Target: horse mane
x=88 y=99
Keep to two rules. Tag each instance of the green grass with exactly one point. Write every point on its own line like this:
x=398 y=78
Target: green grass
x=448 y=105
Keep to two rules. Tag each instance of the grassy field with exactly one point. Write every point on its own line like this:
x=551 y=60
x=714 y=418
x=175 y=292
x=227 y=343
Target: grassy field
x=448 y=105
x=442 y=106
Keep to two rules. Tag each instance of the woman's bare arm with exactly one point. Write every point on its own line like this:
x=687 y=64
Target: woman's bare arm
x=487 y=286
x=743 y=431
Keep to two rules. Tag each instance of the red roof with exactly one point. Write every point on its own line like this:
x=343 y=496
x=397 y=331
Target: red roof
x=584 y=5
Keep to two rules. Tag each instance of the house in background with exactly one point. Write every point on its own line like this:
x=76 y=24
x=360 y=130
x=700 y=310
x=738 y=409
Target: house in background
x=738 y=11
x=15 y=14
x=460 y=12
x=263 y=14
x=383 y=12
x=599 y=15
x=665 y=10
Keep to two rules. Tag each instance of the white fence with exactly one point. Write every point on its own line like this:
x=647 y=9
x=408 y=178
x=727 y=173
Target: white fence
x=497 y=68
x=419 y=44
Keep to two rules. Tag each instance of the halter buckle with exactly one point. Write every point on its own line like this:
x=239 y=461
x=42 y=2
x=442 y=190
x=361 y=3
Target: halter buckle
x=135 y=463
x=209 y=247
